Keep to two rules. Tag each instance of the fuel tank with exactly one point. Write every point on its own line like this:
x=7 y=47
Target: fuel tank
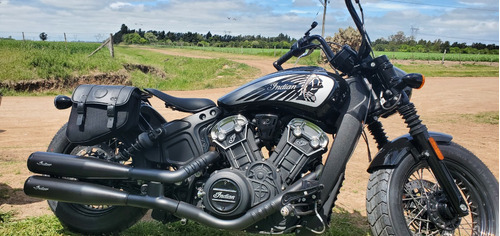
x=310 y=92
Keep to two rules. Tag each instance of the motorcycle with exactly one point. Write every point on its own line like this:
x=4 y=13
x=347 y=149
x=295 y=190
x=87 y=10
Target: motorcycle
x=253 y=161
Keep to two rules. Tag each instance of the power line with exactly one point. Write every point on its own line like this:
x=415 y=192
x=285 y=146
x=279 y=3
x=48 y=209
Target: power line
x=445 y=6
x=461 y=38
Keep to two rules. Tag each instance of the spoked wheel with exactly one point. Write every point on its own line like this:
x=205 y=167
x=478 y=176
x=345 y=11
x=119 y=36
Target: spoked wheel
x=409 y=201
x=96 y=219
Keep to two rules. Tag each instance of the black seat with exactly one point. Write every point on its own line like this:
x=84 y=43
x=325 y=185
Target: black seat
x=192 y=105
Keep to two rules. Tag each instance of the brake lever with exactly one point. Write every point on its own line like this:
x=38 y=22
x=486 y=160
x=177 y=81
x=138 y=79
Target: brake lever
x=305 y=54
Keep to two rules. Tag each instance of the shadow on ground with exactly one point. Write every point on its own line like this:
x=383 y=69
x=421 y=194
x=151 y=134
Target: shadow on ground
x=15 y=196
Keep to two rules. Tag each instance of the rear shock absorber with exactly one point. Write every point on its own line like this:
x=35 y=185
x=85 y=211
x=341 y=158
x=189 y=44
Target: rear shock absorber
x=145 y=140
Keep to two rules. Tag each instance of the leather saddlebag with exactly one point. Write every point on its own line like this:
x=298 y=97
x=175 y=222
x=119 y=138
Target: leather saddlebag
x=100 y=112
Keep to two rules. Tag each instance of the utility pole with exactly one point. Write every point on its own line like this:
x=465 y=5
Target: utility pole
x=324 y=3
x=414 y=32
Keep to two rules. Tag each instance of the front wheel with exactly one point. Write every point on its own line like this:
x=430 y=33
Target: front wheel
x=408 y=200
x=94 y=219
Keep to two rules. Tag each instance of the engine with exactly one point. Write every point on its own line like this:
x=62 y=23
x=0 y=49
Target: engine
x=252 y=178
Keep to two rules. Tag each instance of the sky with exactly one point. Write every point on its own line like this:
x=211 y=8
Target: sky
x=460 y=21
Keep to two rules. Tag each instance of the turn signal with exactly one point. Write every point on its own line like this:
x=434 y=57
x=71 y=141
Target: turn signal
x=436 y=148
x=414 y=80
x=62 y=102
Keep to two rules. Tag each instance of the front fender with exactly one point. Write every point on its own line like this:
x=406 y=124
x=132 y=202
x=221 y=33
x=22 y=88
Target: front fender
x=393 y=153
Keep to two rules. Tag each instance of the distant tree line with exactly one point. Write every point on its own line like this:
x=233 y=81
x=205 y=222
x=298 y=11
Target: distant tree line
x=394 y=43
x=402 y=43
x=132 y=36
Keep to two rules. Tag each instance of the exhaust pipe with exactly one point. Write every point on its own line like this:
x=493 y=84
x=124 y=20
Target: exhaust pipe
x=93 y=194
x=89 y=168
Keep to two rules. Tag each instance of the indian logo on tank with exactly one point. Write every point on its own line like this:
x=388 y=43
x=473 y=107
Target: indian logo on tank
x=289 y=88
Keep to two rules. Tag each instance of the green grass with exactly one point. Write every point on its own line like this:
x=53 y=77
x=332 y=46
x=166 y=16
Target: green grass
x=31 y=60
x=271 y=52
x=49 y=60
x=6 y=217
x=485 y=118
x=460 y=70
x=244 y=51
x=59 y=61
x=434 y=56
x=430 y=70
x=184 y=73
x=343 y=223
x=490 y=117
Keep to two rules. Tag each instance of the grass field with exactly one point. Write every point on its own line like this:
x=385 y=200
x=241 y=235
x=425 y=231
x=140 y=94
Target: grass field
x=343 y=224
x=184 y=73
x=422 y=65
x=59 y=61
x=33 y=60
x=453 y=70
x=432 y=56
x=392 y=55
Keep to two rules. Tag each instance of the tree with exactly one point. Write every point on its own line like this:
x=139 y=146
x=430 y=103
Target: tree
x=141 y=33
x=445 y=46
x=133 y=38
x=348 y=36
x=150 y=37
x=43 y=36
x=161 y=35
x=124 y=29
x=399 y=38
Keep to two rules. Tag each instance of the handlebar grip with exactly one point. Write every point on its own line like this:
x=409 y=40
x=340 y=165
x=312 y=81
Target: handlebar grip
x=277 y=64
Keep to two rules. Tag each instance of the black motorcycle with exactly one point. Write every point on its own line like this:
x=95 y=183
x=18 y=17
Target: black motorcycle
x=254 y=161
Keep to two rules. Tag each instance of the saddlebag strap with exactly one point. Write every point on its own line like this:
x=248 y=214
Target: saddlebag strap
x=111 y=116
x=80 y=110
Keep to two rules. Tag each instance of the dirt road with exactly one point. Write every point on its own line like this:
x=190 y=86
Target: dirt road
x=27 y=124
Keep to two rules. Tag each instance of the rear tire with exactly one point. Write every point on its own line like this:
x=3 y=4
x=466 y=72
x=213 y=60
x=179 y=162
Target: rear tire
x=89 y=219
x=404 y=200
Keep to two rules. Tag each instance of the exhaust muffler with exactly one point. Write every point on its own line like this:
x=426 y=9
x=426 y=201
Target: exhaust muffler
x=64 y=165
x=78 y=192
x=73 y=191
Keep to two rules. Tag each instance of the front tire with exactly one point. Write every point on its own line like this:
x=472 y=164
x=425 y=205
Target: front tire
x=408 y=201
x=90 y=219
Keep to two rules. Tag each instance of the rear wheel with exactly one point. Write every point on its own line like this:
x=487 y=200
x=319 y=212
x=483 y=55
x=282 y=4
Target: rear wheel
x=95 y=219
x=408 y=200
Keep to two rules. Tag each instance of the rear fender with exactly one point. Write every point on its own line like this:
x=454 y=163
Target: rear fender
x=394 y=152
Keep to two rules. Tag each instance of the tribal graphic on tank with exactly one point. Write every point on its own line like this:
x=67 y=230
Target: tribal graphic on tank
x=294 y=87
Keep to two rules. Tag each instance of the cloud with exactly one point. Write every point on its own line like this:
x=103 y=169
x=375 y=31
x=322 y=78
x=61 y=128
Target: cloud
x=119 y=5
x=306 y=3
x=76 y=4
x=85 y=19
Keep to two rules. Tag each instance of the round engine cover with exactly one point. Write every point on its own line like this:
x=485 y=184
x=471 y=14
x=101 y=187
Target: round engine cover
x=228 y=193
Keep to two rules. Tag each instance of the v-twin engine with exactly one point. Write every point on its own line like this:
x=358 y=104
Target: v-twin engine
x=252 y=178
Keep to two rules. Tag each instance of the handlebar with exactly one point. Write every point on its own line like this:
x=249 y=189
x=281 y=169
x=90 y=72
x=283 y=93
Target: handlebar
x=277 y=64
x=299 y=47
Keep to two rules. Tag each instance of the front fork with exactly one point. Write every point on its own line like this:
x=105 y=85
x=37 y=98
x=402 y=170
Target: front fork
x=429 y=151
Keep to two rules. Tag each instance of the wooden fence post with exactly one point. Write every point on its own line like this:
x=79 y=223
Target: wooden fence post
x=111 y=48
x=442 y=61
x=109 y=43
x=65 y=42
